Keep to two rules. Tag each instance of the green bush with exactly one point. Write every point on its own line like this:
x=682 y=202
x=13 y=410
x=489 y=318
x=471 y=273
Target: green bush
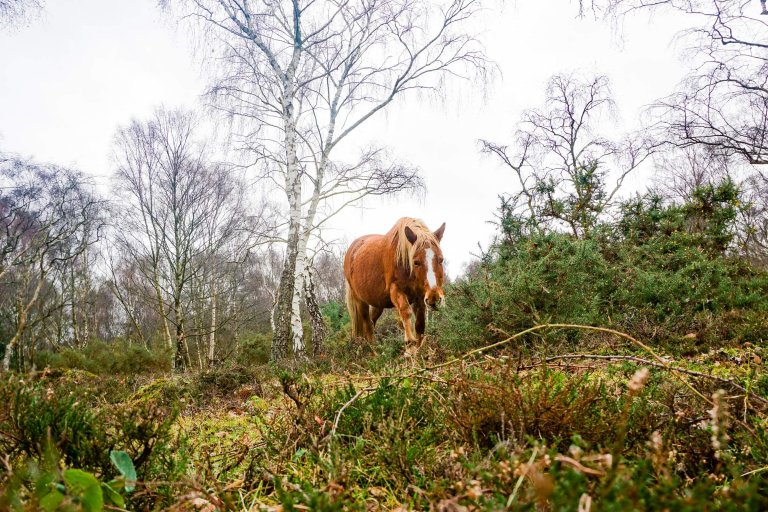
x=254 y=349
x=103 y=358
x=54 y=414
x=661 y=272
x=335 y=315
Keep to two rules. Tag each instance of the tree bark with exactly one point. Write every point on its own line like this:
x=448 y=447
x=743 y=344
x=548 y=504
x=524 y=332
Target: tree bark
x=297 y=328
x=282 y=335
x=281 y=338
x=212 y=334
x=23 y=315
x=161 y=309
x=181 y=359
x=315 y=315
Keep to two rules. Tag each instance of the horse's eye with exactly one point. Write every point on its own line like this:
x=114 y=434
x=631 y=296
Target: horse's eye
x=417 y=263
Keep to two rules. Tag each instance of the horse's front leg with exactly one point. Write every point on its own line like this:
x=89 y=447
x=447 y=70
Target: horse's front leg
x=421 y=320
x=400 y=301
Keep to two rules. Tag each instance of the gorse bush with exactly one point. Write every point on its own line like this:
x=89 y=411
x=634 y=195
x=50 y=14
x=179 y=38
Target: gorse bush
x=108 y=359
x=662 y=272
x=705 y=221
x=253 y=349
x=335 y=315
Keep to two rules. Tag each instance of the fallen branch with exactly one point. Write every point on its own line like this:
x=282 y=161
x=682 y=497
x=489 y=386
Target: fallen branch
x=347 y=404
x=578 y=466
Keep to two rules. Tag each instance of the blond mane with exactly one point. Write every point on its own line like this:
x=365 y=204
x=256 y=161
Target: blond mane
x=405 y=250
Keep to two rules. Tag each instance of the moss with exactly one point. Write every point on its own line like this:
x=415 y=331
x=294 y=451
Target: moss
x=166 y=391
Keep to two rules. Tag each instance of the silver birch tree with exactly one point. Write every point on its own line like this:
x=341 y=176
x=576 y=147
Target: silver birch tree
x=177 y=213
x=48 y=219
x=300 y=76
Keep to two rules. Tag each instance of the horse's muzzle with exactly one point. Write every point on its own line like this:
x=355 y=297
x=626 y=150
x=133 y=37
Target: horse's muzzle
x=435 y=305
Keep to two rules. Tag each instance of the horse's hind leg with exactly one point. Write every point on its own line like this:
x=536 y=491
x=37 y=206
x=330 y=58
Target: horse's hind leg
x=375 y=314
x=359 y=316
x=365 y=322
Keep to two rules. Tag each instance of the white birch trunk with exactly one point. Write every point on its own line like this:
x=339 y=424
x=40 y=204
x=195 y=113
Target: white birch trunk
x=297 y=329
x=212 y=335
x=272 y=311
x=284 y=331
x=161 y=308
x=86 y=330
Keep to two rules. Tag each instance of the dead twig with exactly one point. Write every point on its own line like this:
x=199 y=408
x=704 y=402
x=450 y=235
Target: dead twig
x=578 y=466
x=347 y=404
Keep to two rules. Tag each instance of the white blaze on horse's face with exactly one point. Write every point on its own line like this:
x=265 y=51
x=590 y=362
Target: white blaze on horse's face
x=431 y=278
x=434 y=295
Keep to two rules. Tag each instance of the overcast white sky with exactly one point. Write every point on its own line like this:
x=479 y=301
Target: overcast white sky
x=86 y=66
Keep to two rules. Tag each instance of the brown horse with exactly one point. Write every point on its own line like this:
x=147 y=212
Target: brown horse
x=401 y=269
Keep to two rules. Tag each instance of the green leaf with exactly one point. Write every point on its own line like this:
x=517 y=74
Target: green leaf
x=112 y=496
x=45 y=482
x=85 y=486
x=124 y=465
x=51 y=501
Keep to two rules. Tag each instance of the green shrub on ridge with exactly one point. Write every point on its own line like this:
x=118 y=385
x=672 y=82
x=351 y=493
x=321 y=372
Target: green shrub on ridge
x=661 y=272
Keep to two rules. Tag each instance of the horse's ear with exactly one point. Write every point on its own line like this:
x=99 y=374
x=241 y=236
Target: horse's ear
x=439 y=233
x=410 y=235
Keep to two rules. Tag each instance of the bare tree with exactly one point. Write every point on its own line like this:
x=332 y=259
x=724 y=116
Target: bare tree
x=752 y=233
x=229 y=236
x=329 y=268
x=723 y=102
x=178 y=214
x=721 y=107
x=682 y=171
x=301 y=76
x=18 y=11
x=48 y=219
x=568 y=174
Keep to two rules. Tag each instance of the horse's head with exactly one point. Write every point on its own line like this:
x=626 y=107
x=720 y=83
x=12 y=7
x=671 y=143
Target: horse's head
x=427 y=271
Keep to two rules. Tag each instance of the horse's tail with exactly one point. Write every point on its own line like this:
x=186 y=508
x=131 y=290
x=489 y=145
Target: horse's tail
x=353 y=306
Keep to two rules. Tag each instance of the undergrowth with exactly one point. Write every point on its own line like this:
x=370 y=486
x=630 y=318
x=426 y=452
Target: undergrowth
x=557 y=419
x=482 y=433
